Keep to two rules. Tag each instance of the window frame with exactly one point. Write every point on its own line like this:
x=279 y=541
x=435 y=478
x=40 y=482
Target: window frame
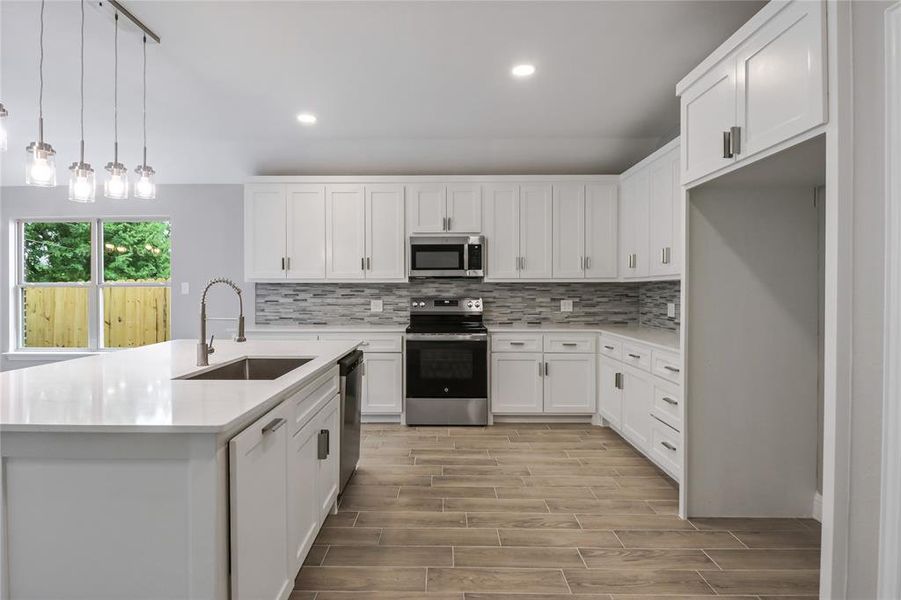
x=95 y=285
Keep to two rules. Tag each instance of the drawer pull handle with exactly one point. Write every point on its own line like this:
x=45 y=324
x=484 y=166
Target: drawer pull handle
x=323 y=450
x=635 y=356
x=668 y=446
x=610 y=347
x=570 y=344
x=671 y=369
x=517 y=343
x=669 y=400
x=273 y=425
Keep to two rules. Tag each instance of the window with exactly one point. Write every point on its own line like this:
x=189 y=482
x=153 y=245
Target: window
x=93 y=284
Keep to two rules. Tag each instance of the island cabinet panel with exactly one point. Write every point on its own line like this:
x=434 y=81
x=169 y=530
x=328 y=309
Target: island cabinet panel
x=303 y=497
x=258 y=507
x=383 y=383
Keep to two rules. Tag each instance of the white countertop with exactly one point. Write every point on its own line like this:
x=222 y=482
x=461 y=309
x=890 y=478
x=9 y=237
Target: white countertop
x=134 y=390
x=652 y=336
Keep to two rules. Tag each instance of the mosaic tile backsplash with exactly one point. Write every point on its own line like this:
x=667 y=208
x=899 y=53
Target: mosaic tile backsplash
x=517 y=304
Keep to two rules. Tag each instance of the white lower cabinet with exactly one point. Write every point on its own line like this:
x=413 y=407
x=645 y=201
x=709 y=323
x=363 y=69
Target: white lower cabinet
x=610 y=396
x=639 y=403
x=569 y=383
x=516 y=383
x=383 y=383
x=282 y=486
x=258 y=509
x=637 y=400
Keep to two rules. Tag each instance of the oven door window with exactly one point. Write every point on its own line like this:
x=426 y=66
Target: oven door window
x=437 y=257
x=447 y=369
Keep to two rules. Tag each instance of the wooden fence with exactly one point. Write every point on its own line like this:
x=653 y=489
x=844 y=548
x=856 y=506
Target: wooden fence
x=57 y=317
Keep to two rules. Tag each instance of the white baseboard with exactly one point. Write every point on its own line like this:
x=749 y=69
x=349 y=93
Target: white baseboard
x=380 y=419
x=587 y=419
x=818 y=507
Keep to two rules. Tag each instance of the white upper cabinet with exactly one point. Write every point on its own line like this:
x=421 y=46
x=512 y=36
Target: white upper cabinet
x=766 y=87
x=501 y=211
x=385 y=232
x=569 y=231
x=665 y=216
x=781 y=78
x=440 y=208
x=426 y=208
x=264 y=231
x=601 y=230
x=306 y=232
x=633 y=228
x=585 y=231
x=708 y=112
x=345 y=234
x=464 y=208
x=536 y=231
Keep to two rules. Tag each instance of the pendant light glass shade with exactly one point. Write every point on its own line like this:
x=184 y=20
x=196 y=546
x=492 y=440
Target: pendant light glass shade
x=116 y=184
x=40 y=165
x=82 y=186
x=3 y=135
x=145 y=188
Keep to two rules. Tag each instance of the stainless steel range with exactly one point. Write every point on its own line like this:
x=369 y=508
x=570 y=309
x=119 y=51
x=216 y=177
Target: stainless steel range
x=447 y=362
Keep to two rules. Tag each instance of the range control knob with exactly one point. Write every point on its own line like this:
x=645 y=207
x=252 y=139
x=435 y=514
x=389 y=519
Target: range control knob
x=469 y=304
x=414 y=305
x=422 y=304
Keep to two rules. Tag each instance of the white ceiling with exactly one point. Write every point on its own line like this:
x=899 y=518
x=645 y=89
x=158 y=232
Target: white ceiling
x=398 y=87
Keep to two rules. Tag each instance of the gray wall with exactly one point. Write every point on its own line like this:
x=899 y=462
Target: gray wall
x=207 y=241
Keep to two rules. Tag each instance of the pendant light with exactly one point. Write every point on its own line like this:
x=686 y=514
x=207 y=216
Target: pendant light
x=145 y=188
x=116 y=184
x=40 y=166
x=3 y=135
x=81 y=175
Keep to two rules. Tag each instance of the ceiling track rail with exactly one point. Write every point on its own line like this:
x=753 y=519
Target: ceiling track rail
x=113 y=7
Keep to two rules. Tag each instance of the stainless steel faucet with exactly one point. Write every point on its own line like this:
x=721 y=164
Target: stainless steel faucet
x=203 y=349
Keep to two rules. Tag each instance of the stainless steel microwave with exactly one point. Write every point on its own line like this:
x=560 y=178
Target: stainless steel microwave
x=447 y=256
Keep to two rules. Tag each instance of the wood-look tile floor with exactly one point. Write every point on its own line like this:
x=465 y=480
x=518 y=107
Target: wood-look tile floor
x=540 y=512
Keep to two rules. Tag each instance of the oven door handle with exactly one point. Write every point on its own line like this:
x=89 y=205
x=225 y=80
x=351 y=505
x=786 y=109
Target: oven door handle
x=447 y=337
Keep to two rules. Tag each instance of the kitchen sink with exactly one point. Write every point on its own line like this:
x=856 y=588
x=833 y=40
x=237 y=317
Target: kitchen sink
x=252 y=369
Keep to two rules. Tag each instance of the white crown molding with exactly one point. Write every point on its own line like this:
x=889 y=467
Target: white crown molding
x=890 y=525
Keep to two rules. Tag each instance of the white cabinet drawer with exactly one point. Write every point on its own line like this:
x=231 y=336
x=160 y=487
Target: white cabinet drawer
x=668 y=405
x=570 y=342
x=610 y=347
x=637 y=356
x=311 y=398
x=511 y=342
x=666 y=448
x=666 y=365
x=372 y=342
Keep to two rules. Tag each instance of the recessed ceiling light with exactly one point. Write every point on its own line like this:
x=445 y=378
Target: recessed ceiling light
x=307 y=118
x=524 y=70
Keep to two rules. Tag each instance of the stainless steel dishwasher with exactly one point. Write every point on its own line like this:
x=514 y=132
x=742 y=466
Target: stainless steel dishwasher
x=351 y=370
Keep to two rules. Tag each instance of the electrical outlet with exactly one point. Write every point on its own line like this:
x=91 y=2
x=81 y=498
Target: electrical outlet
x=566 y=306
x=671 y=309
x=376 y=305
x=185 y=288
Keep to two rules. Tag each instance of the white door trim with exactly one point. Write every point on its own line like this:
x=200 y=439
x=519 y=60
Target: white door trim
x=890 y=526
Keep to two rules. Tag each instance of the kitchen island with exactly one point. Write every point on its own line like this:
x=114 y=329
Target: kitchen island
x=124 y=478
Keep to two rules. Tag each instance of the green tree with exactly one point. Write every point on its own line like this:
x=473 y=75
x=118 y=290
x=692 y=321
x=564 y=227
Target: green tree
x=61 y=252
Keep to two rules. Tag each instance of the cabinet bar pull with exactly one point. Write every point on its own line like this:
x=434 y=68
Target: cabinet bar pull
x=581 y=263
x=368 y=263
x=517 y=343
x=727 y=144
x=443 y=223
x=449 y=223
x=546 y=369
x=618 y=381
x=288 y=263
x=735 y=140
x=570 y=344
x=671 y=369
x=635 y=356
x=668 y=446
x=323 y=441
x=273 y=425
x=523 y=261
x=362 y=263
x=610 y=347
x=283 y=263
x=669 y=400
x=587 y=262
